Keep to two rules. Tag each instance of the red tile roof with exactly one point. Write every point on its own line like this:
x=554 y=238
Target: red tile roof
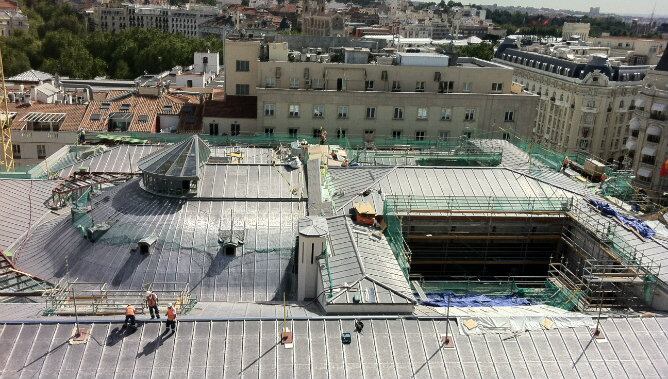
x=231 y=107
x=140 y=105
x=73 y=114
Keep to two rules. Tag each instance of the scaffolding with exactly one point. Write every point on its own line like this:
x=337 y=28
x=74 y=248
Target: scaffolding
x=607 y=270
x=96 y=299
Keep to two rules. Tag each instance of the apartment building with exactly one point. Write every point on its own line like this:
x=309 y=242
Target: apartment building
x=404 y=96
x=186 y=20
x=12 y=20
x=573 y=29
x=648 y=132
x=634 y=50
x=584 y=99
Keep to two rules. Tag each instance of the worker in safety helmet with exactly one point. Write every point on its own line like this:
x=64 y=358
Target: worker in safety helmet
x=129 y=315
x=171 y=318
x=152 y=303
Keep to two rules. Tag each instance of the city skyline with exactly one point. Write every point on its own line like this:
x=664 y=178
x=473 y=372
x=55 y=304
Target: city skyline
x=621 y=7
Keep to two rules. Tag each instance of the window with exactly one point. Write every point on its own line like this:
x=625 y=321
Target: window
x=469 y=115
x=16 y=151
x=124 y=107
x=317 y=132
x=269 y=82
x=243 y=66
x=213 y=129
x=189 y=83
x=398 y=113
x=506 y=136
x=653 y=138
x=371 y=113
x=509 y=116
x=422 y=113
x=143 y=118
x=41 y=151
x=497 y=87
x=343 y=112
x=419 y=86
x=341 y=133
x=293 y=110
x=243 y=89
x=318 y=111
x=468 y=135
x=396 y=86
x=294 y=83
x=443 y=135
x=419 y=136
x=446 y=87
x=317 y=83
x=235 y=129
x=446 y=114
x=269 y=132
x=648 y=159
x=621 y=104
x=468 y=86
x=396 y=134
x=105 y=105
x=368 y=132
x=368 y=85
x=292 y=132
x=591 y=103
x=269 y=110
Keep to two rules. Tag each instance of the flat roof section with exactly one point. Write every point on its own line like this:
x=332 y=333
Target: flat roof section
x=388 y=348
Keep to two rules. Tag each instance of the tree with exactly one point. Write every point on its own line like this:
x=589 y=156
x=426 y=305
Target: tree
x=482 y=51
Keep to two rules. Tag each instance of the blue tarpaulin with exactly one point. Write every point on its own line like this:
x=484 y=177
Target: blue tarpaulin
x=639 y=225
x=473 y=300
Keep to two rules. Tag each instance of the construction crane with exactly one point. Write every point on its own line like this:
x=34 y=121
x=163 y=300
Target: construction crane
x=7 y=155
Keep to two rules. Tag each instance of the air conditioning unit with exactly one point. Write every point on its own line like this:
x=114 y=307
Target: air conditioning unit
x=278 y=72
x=383 y=75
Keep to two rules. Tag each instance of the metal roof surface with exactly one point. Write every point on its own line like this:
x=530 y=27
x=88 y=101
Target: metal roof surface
x=387 y=348
x=247 y=181
x=363 y=261
x=22 y=204
x=187 y=249
x=119 y=159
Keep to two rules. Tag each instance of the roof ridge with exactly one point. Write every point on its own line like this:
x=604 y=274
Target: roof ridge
x=347 y=203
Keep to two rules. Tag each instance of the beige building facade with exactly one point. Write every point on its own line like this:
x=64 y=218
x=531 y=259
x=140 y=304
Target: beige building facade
x=415 y=101
x=584 y=104
x=648 y=133
x=184 y=20
x=572 y=29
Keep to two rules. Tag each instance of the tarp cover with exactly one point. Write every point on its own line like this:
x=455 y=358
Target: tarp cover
x=639 y=225
x=441 y=300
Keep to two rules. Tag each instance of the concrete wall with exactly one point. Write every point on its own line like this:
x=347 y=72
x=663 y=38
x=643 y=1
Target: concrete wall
x=300 y=42
x=244 y=51
x=28 y=140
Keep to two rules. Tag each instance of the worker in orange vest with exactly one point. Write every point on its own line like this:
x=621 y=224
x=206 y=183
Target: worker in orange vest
x=152 y=303
x=130 y=315
x=171 y=318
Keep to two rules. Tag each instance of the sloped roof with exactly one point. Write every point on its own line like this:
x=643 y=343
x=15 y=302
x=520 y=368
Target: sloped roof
x=184 y=159
x=30 y=76
x=361 y=259
x=47 y=89
x=73 y=114
x=663 y=63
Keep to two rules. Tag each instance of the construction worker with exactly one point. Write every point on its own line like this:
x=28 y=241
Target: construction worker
x=130 y=315
x=359 y=325
x=152 y=303
x=171 y=318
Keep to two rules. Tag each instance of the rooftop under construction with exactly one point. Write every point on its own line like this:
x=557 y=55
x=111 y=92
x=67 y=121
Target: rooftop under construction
x=252 y=237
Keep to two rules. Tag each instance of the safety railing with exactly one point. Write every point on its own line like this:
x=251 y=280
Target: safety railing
x=408 y=203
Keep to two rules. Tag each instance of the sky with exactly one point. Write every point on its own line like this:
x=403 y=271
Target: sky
x=631 y=7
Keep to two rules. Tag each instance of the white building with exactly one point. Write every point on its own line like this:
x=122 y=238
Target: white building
x=648 y=136
x=584 y=98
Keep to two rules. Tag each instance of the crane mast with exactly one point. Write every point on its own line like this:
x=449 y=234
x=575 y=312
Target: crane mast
x=7 y=155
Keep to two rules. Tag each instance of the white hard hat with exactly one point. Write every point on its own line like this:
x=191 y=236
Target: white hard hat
x=148 y=292
x=169 y=305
